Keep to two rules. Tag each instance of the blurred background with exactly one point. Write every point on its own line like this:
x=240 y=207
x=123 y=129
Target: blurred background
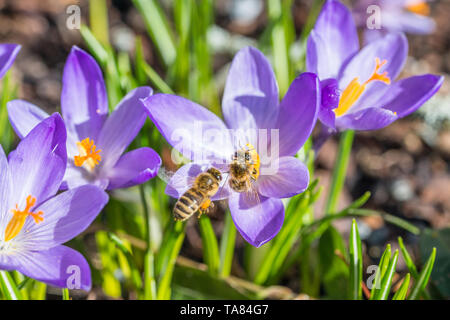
x=405 y=166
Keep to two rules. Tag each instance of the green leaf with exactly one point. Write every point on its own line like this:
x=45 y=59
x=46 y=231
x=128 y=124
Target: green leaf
x=168 y=255
x=334 y=270
x=210 y=245
x=227 y=246
x=381 y=270
x=403 y=290
x=156 y=80
x=123 y=247
x=158 y=29
x=98 y=19
x=95 y=47
x=440 y=239
x=424 y=276
x=386 y=281
x=8 y=286
x=355 y=263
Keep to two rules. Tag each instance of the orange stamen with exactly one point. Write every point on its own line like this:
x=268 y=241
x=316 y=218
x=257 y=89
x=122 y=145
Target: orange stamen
x=355 y=89
x=19 y=217
x=419 y=7
x=88 y=154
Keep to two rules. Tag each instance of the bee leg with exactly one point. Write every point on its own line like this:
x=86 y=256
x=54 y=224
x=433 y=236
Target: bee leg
x=204 y=208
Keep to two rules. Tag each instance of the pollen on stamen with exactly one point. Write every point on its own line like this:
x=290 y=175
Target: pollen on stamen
x=18 y=220
x=419 y=7
x=355 y=89
x=89 y=154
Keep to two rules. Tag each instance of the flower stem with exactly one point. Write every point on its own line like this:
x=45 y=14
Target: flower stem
x=227 y=246
x=210 y=245
x=149 y=276
x=65 y=294
x=340 y=170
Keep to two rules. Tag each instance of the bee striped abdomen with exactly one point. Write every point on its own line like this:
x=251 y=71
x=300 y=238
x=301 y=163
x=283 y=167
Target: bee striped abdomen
x=188 y=204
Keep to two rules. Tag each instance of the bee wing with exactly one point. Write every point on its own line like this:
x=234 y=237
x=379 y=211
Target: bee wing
x=165 y=175
x=252 y=197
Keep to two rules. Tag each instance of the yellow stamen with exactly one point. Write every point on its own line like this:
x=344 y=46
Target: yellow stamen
x=18 y=220
x=88 y=154
x=355 y=89
x=419 y=7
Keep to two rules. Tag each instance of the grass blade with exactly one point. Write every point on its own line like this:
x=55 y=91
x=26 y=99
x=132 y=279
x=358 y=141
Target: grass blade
x=158 y=29
x=387 y=279
x=403 y=290
x=382 y=267
x=424 y=276
x=355 y=263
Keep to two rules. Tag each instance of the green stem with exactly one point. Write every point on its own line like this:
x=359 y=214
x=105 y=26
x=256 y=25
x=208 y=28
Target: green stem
x=65 y=294
x=227 y=246
x=210 y=245
x=149 y=275
x=340 y=170
x=8 y=286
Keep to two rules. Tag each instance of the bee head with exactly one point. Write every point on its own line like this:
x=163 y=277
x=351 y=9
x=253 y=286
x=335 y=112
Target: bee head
x=215 y=173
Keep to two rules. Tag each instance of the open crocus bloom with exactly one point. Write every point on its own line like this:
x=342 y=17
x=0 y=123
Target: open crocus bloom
x=8 y=53
x=34 y=221
x=410 y=16
x=95 y=142
x=250 y=106
x=359 y=90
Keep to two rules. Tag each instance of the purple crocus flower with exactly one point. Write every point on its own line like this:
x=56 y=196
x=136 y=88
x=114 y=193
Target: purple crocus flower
x=8 y=53
x=410 y=16
x=95 y=142
x=34 y=221
x=250 y=103
x=358 y=87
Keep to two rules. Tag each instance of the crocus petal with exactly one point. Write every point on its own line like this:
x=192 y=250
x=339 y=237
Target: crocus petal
x=122 y=126
x=8 y=53
x=84 y=103
x=257 y=224
x=60 y=266
x=250 y=99
x=408 y=22
x=134 y=167
x=292 y=178
x=407 y=95
x=65 y=216
x=193 y=130
x=332 y=41
x=367 y=119
x=24 y=116
x=298 y=113
x=5 y=188
x=393 y=48
x=329 y=100
x=184 y=178
x=38 y=164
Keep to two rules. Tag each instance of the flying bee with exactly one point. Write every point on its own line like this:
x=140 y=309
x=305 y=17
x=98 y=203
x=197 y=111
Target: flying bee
x=198 y=197
x=244 y=169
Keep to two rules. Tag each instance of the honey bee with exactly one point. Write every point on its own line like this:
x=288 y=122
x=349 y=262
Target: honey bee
x=198 y=197
x=244 y=170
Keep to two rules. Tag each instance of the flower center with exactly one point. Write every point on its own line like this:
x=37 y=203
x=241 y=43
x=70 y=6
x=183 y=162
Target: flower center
x=89 y=154
x=355 y=89
x=419 y=7
x=19 y=217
